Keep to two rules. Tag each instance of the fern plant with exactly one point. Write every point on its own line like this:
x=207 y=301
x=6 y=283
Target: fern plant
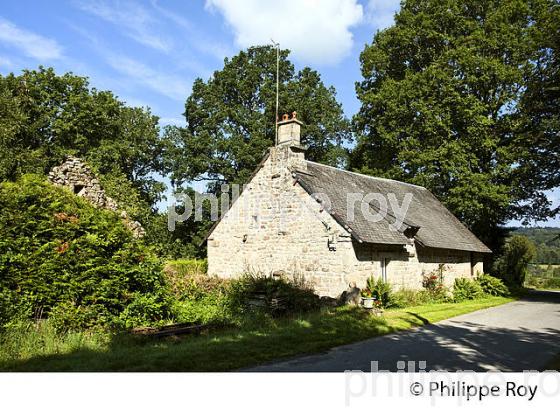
x=380 y=290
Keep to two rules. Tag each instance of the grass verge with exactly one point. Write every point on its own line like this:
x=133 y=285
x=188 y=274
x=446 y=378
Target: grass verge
x=33 y=349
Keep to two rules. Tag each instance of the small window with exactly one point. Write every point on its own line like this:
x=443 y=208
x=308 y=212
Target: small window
x=384 y=266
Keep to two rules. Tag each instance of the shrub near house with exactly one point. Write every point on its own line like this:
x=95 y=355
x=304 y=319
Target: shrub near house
x=466 y=289
x=63 y=259
x=492 y=286
x=201 y=298
x=79 y=266
x=434 y=291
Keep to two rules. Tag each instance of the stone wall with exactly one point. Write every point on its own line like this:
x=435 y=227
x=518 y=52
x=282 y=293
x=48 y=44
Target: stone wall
x=80 y=179
x=276 y=228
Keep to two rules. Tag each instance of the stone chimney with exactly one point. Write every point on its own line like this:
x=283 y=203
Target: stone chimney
x=289 y=130
x=289 y=154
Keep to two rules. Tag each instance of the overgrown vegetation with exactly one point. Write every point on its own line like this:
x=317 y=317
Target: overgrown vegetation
x=63 y=259
x=185 y=267
x=42 y=349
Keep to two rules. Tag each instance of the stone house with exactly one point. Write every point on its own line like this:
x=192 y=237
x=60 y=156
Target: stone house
x=299 y=217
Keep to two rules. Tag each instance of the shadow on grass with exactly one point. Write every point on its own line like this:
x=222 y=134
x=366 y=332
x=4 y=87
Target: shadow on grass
x=452 y=345
x=479 y=346
x=420 y=318
x=219 y=351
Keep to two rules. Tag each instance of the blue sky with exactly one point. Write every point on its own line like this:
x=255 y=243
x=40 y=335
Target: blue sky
x=148 y=53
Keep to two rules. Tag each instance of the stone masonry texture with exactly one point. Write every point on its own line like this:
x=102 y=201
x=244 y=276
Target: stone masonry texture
x=276 y=228
x=78 y=177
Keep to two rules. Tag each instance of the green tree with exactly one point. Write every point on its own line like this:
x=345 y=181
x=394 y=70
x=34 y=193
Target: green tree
x=513 y=264
x=45 y=116
x=230 y=118
x=540 y=103
x=62 y=258
x=186 y=240
x=441 y=107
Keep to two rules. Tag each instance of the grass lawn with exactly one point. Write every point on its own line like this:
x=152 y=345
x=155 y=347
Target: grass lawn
x=222 y=350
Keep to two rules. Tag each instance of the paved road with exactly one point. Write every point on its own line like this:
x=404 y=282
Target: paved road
x=522 y=335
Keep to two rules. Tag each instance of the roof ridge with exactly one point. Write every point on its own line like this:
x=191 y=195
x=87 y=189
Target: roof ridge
x=367 y=176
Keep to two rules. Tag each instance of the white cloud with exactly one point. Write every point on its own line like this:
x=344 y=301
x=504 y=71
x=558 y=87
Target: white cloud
x=135 y=21
x=169 y=85
x=134 y=74
x=317 y=31
x=380 y=13
x=196 y=38
x=30 y=44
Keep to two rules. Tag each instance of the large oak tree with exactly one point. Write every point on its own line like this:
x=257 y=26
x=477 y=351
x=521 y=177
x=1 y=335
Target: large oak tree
x=231 y=118
x=446 y=105
x=45 y=116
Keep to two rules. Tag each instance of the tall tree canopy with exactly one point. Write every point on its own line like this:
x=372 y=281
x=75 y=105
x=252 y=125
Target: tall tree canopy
x=44 y=117
x=540 y=103
x=230 y=118
x=445 y=105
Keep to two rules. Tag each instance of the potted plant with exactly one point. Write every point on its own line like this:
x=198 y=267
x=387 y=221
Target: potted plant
x=367 y=299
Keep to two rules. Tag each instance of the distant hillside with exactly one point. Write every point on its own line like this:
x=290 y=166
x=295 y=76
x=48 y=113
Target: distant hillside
x=547 y=241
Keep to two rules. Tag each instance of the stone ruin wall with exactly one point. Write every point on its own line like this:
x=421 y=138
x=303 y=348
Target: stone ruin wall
x=77 y=176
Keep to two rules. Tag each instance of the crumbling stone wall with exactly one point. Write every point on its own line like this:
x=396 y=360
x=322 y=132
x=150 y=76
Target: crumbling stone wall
x=80 y=179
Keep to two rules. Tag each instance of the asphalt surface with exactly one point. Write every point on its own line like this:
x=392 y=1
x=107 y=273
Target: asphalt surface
x=522 y=335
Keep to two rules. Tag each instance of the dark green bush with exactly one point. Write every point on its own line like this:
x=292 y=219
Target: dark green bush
x=492 y=286
x=294 y=295
x=513 y=264
x=466 y=289
x=69 y=261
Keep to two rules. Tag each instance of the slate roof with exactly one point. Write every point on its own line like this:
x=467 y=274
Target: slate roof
x=427 y=220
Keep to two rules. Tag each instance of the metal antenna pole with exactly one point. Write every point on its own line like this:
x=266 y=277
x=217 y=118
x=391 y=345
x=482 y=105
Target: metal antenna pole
x=277 y=45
